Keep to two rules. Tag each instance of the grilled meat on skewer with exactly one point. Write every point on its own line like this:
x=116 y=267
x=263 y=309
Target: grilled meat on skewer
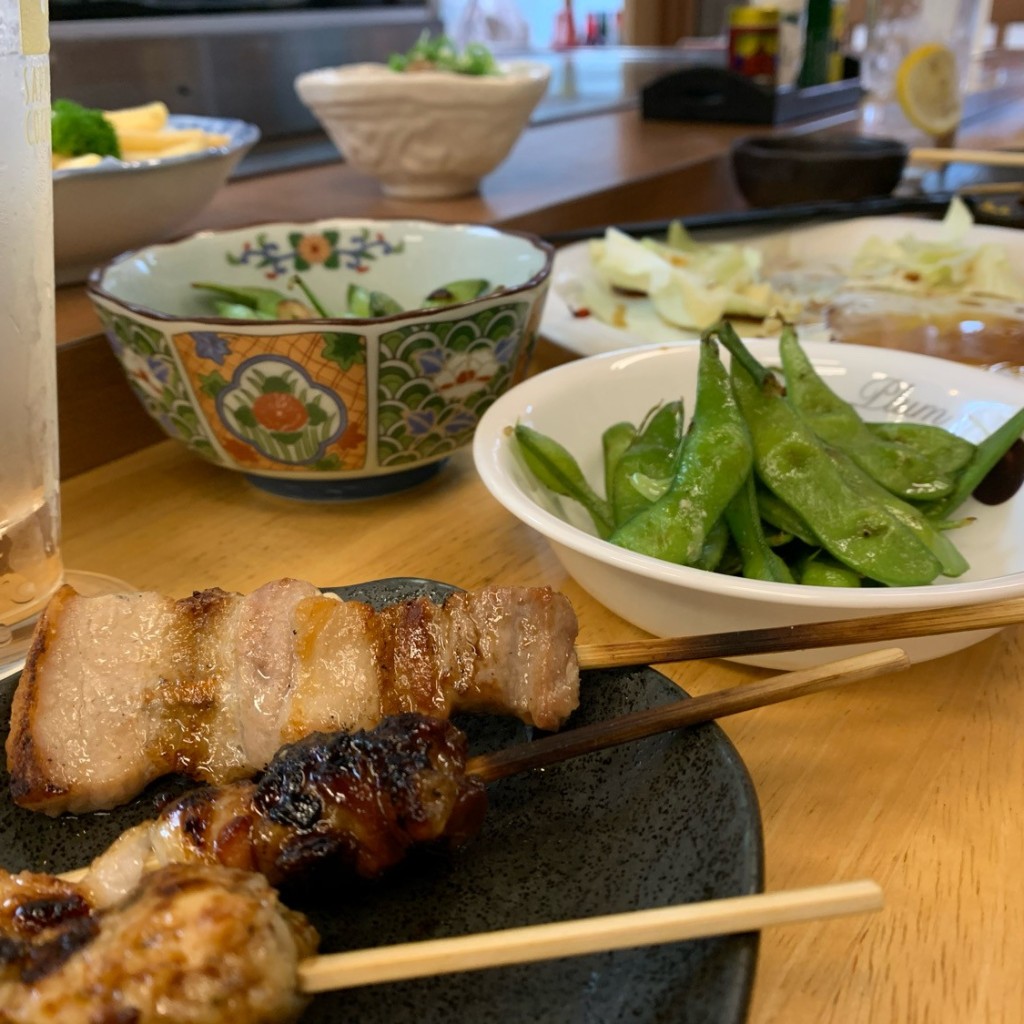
x=193 y=944
x=119 y=690
x=356 y=801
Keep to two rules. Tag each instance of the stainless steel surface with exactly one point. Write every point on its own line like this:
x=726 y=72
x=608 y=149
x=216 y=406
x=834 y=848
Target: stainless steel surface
x=223 y=65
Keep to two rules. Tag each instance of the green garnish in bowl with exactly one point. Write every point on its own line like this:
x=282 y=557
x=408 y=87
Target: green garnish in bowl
x=439 y=53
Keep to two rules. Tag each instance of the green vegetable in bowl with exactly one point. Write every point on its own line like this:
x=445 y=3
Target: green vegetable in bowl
x=458 y=291
x=76 y=130
x=245 y=303
x=763 y=483
x=439 y=53
x=254 y=303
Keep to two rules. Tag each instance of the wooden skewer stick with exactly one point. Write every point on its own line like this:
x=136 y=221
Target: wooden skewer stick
x=875 y=628
x=586 y=935
x=986 y=157
x=690 y=711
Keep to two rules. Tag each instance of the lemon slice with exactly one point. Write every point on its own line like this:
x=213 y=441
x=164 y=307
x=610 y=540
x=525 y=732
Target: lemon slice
x=927 y=89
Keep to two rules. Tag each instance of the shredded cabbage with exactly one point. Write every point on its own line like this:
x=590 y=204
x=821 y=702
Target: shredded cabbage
x=690 y=284
x=946 y=265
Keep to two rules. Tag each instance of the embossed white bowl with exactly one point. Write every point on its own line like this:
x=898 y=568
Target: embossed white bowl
x=424 y=134
x=340 y=407
x=574 y=403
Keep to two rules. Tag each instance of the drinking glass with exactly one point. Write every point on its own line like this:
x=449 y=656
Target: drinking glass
x=30 y=559
x=895 y=28
x=31 y=568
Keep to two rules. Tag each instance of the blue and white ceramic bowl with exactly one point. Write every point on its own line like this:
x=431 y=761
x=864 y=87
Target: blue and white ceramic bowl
x=326 y=408
x=117 y=205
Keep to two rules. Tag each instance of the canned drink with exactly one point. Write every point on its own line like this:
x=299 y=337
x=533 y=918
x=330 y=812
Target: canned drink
x=754 y=43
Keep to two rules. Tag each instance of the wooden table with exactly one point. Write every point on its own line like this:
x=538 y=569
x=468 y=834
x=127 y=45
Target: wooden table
x=914 y=780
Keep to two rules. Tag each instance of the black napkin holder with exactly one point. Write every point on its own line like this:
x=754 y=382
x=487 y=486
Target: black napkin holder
x=702 y=93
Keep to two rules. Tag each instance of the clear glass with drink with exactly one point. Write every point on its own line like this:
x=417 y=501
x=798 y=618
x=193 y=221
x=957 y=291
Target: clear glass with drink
x=30 y=559
x=915 y=67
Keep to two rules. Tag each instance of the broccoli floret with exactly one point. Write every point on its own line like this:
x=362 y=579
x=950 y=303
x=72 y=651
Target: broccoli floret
x=77 y=130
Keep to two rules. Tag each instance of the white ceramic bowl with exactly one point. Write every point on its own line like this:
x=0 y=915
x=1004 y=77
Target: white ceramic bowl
x=424 y=134
x=574 y=403
x=114 y=206
x=326 y=408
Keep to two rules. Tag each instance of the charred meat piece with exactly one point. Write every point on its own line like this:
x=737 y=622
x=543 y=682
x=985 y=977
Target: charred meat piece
x=192 y=944
x=119 y=690
x=356 y=802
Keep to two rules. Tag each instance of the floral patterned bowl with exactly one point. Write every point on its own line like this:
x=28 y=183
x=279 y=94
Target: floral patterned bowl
x=326 y=408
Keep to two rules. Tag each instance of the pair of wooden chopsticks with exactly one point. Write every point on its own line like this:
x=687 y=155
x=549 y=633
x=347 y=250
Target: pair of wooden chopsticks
x=985 y=157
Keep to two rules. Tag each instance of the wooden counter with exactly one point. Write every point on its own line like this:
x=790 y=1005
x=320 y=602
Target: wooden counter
x=913 y=780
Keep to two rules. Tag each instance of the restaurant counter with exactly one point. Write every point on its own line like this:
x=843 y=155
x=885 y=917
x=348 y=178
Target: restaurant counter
x=913 y=780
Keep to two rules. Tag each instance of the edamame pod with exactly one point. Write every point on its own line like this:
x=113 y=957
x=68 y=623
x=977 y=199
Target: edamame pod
x=646 y=469
x=986 y=455
x=614 y=442
x=555 y=468
x=854 y=529
x=760 y=562
x=897 y=467
x=952 y=561
x=948 y=452
x=716 y=459
x=819 y=570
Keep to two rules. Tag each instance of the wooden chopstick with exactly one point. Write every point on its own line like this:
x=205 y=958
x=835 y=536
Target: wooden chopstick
x=987 y=157
x=624 y=728
x=804 y=636
x=586 y=935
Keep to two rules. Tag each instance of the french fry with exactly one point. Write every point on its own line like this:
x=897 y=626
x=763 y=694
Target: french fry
x=71 y=162
x=156 y=143
x=151 y=117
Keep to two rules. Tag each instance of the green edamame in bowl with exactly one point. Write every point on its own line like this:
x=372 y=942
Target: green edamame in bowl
x=722 y=485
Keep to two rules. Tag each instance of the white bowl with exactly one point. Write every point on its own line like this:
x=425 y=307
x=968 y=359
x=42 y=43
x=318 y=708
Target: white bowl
x=574 y=403
x=376 y=405
x=114 y=206
x=424 y=134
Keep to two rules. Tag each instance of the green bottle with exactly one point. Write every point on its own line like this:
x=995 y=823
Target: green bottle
x=817 y=44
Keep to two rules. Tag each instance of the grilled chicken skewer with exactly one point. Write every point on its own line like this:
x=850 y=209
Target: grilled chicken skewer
x=119 y=690
x=193 y=944
x=354 y=801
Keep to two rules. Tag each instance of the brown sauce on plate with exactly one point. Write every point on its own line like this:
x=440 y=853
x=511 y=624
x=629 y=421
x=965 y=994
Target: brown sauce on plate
x=980 y=333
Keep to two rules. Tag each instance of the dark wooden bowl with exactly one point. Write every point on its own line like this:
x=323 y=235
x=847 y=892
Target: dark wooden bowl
x=779 y=169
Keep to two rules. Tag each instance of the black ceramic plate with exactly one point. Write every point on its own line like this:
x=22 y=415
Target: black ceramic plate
x=670 y=819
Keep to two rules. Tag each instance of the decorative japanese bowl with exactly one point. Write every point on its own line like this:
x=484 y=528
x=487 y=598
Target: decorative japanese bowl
x=574 y=404
x=117 y=205
x=424 y=134
x=326 y=408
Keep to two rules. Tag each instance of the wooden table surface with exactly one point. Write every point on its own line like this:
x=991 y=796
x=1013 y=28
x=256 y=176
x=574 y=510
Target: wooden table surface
x=913 y=780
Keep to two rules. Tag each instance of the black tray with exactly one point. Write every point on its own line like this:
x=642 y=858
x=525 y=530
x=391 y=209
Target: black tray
x=706 y=93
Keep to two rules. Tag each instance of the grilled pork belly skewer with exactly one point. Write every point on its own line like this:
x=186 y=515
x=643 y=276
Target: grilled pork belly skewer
x=362 y=801
x=193 y=944
x=119 y=690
